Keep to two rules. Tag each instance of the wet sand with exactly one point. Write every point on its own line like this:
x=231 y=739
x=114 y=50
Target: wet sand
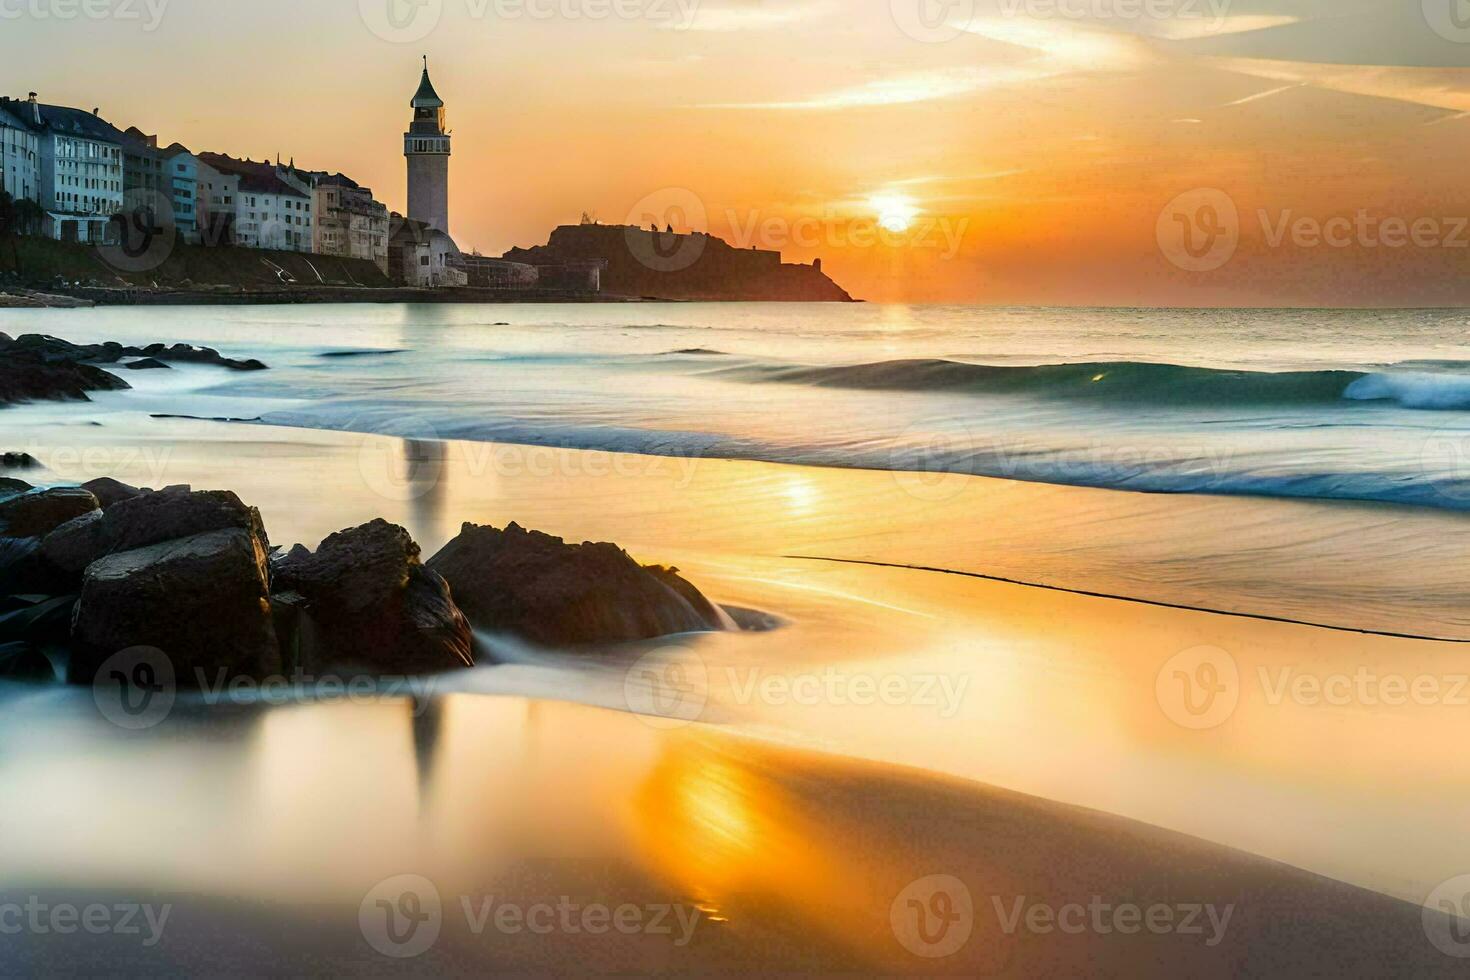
x=779 y=809
x=777 y=859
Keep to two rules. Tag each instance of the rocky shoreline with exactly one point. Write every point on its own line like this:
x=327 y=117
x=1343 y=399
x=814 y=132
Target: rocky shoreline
x=92 y=573
x=37 y=367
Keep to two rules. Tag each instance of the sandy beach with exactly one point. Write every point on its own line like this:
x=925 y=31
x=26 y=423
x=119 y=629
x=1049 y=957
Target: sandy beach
x=966 y=696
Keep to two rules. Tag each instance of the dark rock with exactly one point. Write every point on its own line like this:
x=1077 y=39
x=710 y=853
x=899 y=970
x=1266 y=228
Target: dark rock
x=147 y=364
x=38 y=620
x=148 y=519
x=37 y=366
x=19 y=461
x=19 y=565
x=9 y=487
x=23 y=662
x=370 y=603
x=109 y=491
x=40 y=513
x=202 y=600
x=540 y=588
x=24 y=378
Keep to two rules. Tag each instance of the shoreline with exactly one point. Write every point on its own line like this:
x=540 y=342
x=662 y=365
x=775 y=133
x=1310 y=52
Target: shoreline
x=750 y=839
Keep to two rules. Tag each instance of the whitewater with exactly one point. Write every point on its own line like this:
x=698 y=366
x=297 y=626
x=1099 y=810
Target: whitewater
x=1347 y=405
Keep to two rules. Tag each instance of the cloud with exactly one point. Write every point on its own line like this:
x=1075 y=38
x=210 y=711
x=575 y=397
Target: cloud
x=902 y=89
x=754 y=16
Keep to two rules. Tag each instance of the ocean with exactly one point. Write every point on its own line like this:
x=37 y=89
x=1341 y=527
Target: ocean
x=1345 y=405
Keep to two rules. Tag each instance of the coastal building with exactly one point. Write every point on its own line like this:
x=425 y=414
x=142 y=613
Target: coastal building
x=181 y=175
x=270 y=207
x=423 y=256
x=426 y=146
x=80 y=177
x=420 y=250
x=215 y=193
x=349 y=222
x=142 y=163
x=20 y=155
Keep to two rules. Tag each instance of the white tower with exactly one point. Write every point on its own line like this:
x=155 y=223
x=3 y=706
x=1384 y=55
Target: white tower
x=426 y=145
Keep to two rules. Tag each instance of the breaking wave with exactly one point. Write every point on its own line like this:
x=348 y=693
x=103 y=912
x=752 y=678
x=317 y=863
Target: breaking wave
x=1130 y=382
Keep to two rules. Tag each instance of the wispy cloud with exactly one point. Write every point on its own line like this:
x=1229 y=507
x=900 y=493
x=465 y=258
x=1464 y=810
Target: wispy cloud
x=1261 y=95
x=754 y=17
x=904 y=89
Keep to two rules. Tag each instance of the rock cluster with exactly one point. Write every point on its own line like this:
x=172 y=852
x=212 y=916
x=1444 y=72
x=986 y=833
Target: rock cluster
x=37 y=367
x=87 y=572
x=540 y=588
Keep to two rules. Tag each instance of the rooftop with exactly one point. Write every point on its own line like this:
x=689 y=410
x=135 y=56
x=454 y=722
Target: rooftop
x=64 y=120
x=426 y=97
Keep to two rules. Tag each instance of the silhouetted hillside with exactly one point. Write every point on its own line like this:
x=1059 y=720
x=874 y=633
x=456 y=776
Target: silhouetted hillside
x=666 y=265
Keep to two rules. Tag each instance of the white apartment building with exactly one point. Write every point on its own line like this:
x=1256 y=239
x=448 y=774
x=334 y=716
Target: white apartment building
x=81 y=168
x=267 y=210
x=20 y=154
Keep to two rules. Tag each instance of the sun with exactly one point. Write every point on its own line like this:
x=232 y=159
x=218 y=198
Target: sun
x=896 y=212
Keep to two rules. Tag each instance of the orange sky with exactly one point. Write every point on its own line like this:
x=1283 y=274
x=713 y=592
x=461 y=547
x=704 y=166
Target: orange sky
x=1020 y=151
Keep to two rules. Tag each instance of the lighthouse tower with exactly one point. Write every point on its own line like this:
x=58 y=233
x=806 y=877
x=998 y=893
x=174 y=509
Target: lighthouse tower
x=426 y=145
